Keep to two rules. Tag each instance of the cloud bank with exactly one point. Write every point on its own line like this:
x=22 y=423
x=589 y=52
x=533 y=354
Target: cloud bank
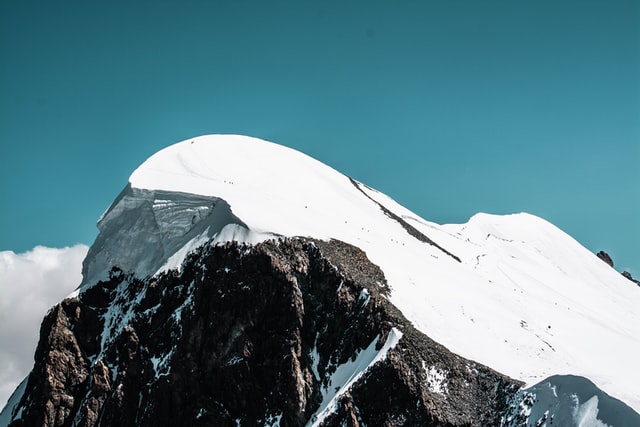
x=30 y=283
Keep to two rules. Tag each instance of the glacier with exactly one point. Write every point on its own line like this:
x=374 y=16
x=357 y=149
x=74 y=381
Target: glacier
x=148 y=231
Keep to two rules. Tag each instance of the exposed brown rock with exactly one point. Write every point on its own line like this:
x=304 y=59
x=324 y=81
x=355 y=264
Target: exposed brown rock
x=60 y=372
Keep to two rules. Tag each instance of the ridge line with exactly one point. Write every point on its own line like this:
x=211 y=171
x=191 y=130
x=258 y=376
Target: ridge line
x=408 y=227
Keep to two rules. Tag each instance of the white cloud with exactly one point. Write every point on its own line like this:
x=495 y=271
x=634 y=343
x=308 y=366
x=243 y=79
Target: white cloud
x=30 y=284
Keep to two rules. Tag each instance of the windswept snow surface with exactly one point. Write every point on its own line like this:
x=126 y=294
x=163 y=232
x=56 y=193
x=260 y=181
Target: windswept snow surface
x=526 y=299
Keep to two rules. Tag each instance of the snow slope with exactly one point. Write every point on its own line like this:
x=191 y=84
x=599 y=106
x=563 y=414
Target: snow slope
x=513 y=292
x=570 y=401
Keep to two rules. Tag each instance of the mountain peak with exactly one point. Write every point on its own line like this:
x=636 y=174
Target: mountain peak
x=507 y=291
x=271 y=187
x=209 y=164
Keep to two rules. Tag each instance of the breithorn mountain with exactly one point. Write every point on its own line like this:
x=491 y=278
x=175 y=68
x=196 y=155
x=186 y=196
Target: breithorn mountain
x=512 y=293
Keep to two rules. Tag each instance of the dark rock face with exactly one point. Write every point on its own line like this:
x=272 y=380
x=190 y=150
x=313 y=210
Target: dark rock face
x=63 y=370
x=630 y=277
x=250 y=335
x=605 y=257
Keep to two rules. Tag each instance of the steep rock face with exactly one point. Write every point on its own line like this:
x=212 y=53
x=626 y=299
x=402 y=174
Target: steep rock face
x=62 y=371
x=287 y=332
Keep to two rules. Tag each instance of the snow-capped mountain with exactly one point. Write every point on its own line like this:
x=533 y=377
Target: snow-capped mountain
x=513 y=293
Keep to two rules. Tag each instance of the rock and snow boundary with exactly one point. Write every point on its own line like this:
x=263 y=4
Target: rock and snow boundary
x=526 y=298
x=512 y=292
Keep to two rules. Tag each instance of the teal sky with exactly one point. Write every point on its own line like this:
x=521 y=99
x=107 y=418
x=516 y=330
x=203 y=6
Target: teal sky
x=450 y=107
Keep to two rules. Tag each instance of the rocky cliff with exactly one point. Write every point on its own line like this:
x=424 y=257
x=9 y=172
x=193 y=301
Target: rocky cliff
x=291 y=332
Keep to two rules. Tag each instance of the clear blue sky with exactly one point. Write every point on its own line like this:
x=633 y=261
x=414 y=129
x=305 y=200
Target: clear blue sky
x=450 y=107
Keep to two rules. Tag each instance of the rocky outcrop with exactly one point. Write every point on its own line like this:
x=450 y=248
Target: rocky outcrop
x=61 y=372
x=605 y=257
x=404 y=224
x=252 y=335
x=630 y=277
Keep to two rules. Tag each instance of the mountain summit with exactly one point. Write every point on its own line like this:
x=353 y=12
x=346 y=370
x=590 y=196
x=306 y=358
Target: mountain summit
x=232 y=188
x=246 y=263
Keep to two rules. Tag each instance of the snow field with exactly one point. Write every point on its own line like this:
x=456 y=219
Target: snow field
x=526 y=299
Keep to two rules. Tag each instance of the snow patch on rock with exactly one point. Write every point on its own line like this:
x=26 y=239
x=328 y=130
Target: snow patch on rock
x=436 y=379
x=348 y=373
